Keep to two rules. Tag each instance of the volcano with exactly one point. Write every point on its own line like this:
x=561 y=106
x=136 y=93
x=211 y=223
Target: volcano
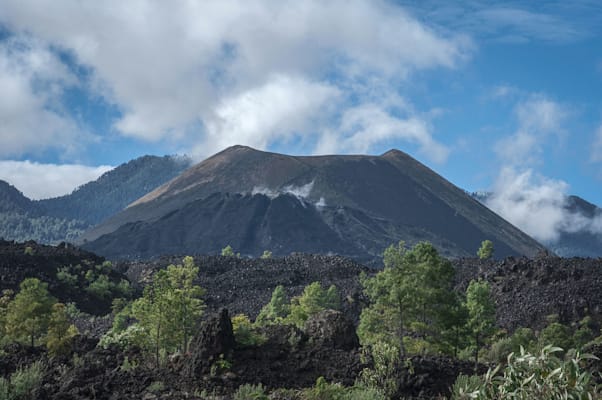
x=352 y=205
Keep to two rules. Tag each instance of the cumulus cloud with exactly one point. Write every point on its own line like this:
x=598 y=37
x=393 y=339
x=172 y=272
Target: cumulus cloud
x=536 y=204
x=40 y=181
x=363 y=126
x=538 y=118
x=184 y=70
x=278 y=110
x=32 y=80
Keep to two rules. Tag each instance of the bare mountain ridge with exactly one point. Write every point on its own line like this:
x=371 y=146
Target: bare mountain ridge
x=352 y=205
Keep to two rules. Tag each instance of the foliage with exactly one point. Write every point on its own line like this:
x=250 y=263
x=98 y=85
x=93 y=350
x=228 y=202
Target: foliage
x=313 y=300
x=28 y=313
x=60 y=330
x=266 y=254
x=556 y=334
x=43 y=229
x=485 y=252
x=228 y=251
x=411 y=296
x=383 y=375
x=250 y=392
x=481 y=314
x=532 y=376
x=170 y=307
x=28 y=251
x=22 y=383
x=323 y=390
x=276 y=310
x=244 y=332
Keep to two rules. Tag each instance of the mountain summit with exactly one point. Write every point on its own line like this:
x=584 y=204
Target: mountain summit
x=353 y=205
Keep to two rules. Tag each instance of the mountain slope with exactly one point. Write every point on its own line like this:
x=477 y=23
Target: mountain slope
x=351 y=205
x=65 y=218
x=115 y=189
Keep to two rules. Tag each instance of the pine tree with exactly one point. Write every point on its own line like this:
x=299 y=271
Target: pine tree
x=276 y=310
x=60 y=330
x=481 y=314
x=28 y=314
x=486 y=250
x=170 y=307
x=412 y=294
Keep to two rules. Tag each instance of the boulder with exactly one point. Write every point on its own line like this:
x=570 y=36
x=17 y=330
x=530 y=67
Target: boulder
x=214 y=339
x=331 y=328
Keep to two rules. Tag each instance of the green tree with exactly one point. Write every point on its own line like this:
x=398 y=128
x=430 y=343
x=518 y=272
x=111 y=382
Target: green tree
x=313 y=300
x=28 y=313
x=266 y=254
x=228 y=251
x=412 y=294
x=60 y=330
x=485 y=252
x=556 y=334
x=170 y=307
x=481 y=314
x=187 y=303
x=276 y=310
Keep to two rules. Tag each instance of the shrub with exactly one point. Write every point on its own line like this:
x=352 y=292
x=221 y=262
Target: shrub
x=250 y=392
x=22 y=383
x=529 y=376
x=383 y=376
x=556 y=334
x=244 y=332
x=66 y=277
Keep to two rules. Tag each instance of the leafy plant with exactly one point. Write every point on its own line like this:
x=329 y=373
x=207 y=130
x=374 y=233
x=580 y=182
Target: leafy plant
x=532 y=376
x=250 y=392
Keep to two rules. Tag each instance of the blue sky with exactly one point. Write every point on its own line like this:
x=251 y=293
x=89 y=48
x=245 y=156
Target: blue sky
x=501 y=96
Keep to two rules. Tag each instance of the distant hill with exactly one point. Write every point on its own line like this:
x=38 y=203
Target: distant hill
x=582 y=243
x=65 y=218
x=350 y=205
x=115 y=189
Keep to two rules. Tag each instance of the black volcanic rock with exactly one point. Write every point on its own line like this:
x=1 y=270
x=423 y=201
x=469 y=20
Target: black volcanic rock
x=526 y=291
x=350 y=205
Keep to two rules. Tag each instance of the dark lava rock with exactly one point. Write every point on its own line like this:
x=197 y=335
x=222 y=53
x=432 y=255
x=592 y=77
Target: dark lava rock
x=245 y=285
x=215 y=339
x=431 y=377
x=526 y=290
x=330 y=328
x=43 y=262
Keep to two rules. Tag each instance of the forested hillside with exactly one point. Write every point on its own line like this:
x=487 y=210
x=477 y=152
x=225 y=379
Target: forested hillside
x=65 y=218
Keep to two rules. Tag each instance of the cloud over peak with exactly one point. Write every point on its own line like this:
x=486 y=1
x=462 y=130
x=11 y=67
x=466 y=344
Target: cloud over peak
x=222 y=72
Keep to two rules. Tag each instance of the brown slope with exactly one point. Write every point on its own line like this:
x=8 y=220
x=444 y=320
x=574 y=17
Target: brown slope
x=366 y=203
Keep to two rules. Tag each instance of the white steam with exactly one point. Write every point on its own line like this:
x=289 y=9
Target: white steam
x=300 y=192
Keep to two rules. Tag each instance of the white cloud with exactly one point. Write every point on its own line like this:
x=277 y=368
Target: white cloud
x=538 y=205
x=40 y=181
x=32 y=79
x=596 y=152
x=538 y=118
x=368 y=124
x=173 y=67
x=279 y=110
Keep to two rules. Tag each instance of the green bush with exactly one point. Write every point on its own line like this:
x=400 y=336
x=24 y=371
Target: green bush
x=335 y=391
x=529 y=376
x=250 y=392
x=244 y=332
x=556 y=334
x=22 y=383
